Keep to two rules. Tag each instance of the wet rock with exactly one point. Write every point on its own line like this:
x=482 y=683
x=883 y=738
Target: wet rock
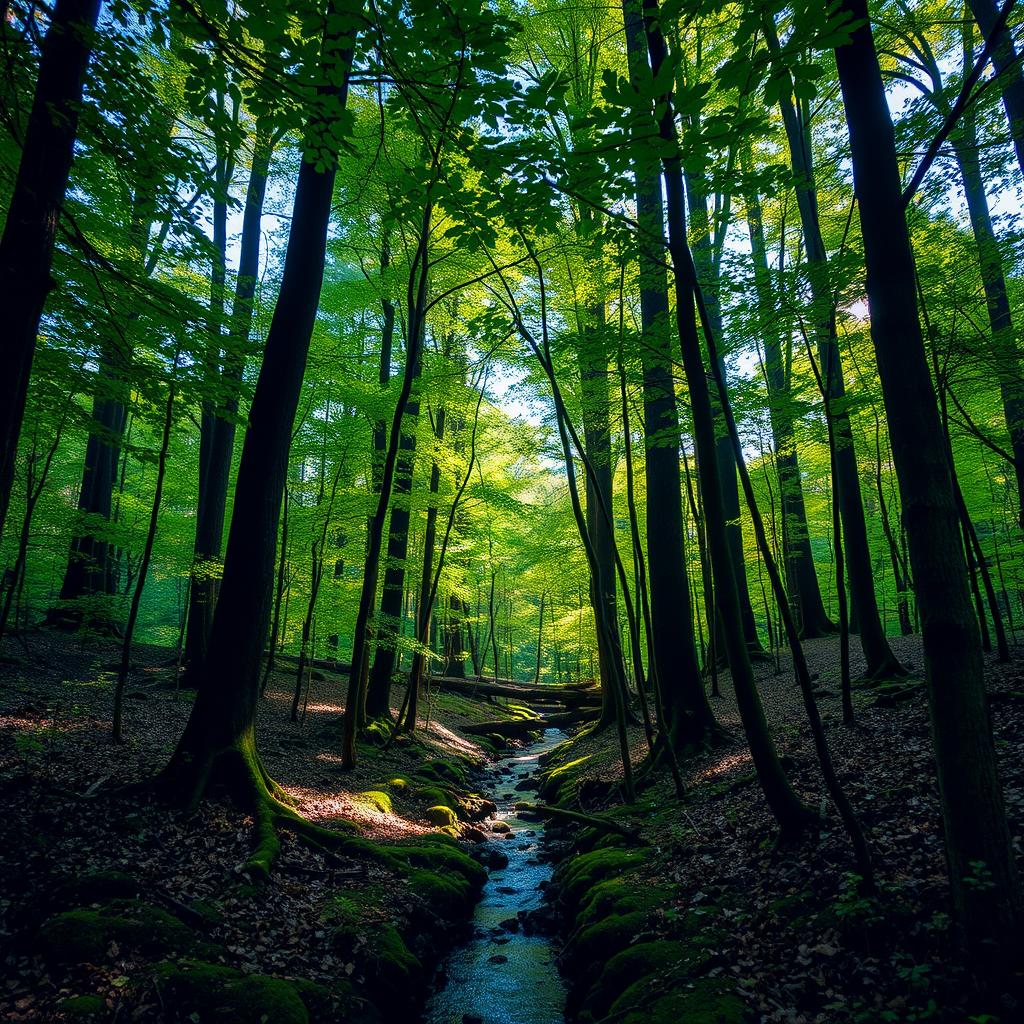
x=474 y=835
x=527 y=785
x=489 y=857
x=472 y=1018
x=497 y=959
x=510 y=924
x=507 y=890
x=501 y=826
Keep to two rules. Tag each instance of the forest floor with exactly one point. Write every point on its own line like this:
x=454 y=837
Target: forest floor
x=785 y=925
x=791 y=936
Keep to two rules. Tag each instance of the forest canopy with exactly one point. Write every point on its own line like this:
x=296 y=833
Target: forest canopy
x=530 y=342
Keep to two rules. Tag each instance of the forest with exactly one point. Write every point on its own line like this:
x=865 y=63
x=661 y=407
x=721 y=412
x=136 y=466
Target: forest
x=511 y=511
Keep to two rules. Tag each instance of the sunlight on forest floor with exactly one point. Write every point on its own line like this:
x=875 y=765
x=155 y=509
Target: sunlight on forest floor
x=323 y=808
x=724 y=765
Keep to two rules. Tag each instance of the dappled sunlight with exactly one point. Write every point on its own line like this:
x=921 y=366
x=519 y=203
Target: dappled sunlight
x=324 y=807
x=449 y=740
x=725 y=764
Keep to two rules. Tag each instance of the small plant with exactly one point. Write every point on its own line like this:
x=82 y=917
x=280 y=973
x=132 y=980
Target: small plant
x=979 y=877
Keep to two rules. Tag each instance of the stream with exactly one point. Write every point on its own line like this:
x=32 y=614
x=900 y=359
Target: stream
x=503 y=976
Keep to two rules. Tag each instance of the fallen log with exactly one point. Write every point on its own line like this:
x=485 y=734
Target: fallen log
x=512 y=728
x=597 y=821
x=549 y=694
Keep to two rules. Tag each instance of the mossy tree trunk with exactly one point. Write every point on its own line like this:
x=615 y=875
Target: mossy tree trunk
x=219 y=742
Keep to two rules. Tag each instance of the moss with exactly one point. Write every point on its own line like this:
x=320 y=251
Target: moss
x=83 y=935
x=222 y=994
x=448 y=896
x=96 y=887
x=582 y=873
x=82 y=1007
x=392 y=961
x=441 y=854
x=654 y=961
x=440 y=815
x=376 y=799
x=337 y=1003
x=444 y=772
x=620 y=895
x=435 y=797
x=703 y=1001
x=559 y=783
x=398 y=785
x=593 y=946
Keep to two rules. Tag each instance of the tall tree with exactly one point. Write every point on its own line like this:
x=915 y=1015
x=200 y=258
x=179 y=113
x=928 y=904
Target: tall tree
x=863 y=603
x=33 y=214
x=219 y=741
x=976 y=835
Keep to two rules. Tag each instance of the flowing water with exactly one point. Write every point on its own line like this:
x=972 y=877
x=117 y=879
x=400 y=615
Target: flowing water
x=525 y=987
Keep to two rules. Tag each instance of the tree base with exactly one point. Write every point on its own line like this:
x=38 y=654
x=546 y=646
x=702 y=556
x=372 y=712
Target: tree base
x=237 y=773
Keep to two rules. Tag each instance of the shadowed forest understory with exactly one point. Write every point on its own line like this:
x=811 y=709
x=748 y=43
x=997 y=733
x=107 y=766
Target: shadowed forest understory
x=511 y=512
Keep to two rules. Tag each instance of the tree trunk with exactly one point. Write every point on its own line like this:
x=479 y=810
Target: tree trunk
x=864 y=615
x=215 y=462
x=378 y=694
x=985 y=888
x=786 y=806
x=1004 y=350
x=26 y=247
x=690 y=720
x=593 y=366
x=707 y=274
x=219 y=740
x=1006 y=62
x=805 y=592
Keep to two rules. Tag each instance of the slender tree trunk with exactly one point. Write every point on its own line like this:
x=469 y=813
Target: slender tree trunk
x=1006 y=62
x=416 y=304
x=805 y=591
x=147 y=554
x=540 y=640
x=880 y=660
x=707 y=274
x=378 y=693
x=26 y=247
x=787 y=807
x=691 y=722
x=219 y=740
x=215 y=458
x=1004 y=349
x=976 y=835
x=425 y=603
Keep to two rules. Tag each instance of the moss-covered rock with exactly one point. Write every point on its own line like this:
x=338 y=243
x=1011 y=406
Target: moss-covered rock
x=621 y=895
x=447 y=773
x=83 y=935
x=337 y=1003
x=376 y=799
x=436 y=797
x=589 y=949
x=96 y=887
x=701 y=1001
x=85 y=1008
x=578 y=876
x=656 y=961
x=440 y=815
x=222 y=995
x=446 y=895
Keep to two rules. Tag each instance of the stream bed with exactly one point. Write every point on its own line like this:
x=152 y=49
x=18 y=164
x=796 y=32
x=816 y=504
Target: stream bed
x=503 y=975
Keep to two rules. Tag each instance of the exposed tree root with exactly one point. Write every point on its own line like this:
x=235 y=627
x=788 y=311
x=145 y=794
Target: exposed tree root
x=237 y=772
